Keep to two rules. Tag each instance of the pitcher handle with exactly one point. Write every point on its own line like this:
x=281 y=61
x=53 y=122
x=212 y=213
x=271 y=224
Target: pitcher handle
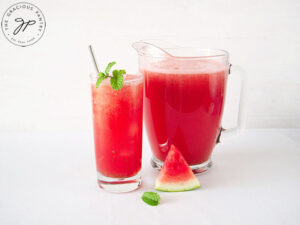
x=230 y=132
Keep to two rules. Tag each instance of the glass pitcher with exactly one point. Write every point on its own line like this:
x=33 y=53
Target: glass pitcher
x=184 y=99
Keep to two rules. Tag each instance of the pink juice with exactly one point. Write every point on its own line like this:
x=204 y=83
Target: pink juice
x=183 y=107
x=118 y=124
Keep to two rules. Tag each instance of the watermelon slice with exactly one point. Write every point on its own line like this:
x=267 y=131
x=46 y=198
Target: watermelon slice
x=176 y=174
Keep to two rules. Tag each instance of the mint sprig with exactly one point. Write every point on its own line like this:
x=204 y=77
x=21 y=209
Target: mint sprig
x=116 y=79
x=101 y=77
x=108 y=67
x=151 y=198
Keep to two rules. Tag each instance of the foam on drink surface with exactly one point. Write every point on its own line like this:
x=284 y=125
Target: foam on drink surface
x=186 y=66
x=129 y=79
x=107 y=100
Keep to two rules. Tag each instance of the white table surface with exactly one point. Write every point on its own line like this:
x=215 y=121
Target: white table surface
x=49 y=178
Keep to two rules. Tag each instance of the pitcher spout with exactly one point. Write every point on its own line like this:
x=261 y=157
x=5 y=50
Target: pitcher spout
x=140 y=47
x=152 y=48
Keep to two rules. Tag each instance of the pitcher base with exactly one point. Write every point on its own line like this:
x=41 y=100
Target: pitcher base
x=197 y=169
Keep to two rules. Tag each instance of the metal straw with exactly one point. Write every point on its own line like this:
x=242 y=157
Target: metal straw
x=94 y=59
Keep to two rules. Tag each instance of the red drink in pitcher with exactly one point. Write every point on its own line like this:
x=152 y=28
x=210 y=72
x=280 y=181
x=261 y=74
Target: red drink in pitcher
x=185 y=91
x=183 y=105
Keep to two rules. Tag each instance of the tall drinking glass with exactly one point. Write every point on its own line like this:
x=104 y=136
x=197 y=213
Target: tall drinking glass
x=118 y=125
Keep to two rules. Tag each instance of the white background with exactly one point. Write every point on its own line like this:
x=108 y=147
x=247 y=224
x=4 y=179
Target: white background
x=47 y=167
x=45 y=87
x=49 y=179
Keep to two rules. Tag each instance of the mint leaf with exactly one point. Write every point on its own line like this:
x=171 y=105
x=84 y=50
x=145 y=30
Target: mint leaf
x=151 y=198
x=108 y=68
x=101 y=77
x=117 y=80
x=122 y=72
x=101 y=74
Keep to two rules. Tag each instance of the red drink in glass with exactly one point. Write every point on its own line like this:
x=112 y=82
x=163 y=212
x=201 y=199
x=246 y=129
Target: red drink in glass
x=118 y=125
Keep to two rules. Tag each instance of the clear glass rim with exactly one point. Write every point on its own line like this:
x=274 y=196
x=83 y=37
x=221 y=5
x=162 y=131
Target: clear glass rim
x=219 y=54
x=202 y=53
x=140 y=76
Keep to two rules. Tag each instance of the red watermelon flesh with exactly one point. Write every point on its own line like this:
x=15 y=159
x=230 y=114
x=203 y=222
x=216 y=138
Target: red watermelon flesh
x=176 y=174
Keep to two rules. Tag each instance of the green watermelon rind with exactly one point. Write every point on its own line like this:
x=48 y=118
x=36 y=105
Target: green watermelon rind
x=180 y=179
x=179 y=188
